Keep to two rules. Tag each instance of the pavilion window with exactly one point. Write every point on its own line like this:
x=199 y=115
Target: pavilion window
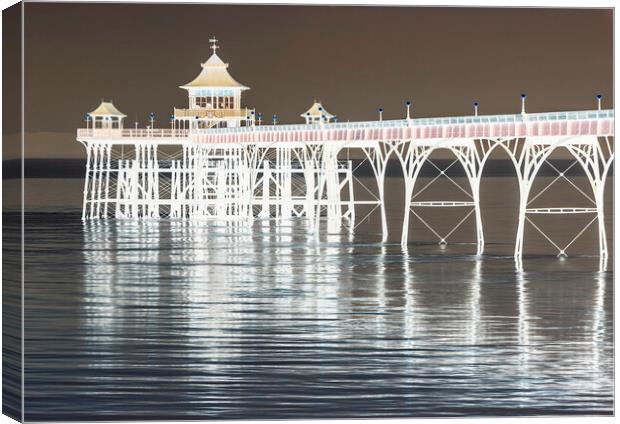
x=226 y=102
x=201 y=101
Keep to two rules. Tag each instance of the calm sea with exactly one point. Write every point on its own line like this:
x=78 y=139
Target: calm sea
x=177 y=320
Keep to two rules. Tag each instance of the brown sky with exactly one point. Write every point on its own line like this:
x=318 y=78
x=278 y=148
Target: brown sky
x=354 y=59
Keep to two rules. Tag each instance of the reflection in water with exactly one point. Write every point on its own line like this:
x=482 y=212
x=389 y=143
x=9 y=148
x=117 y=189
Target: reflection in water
x=524 y=332
x=172 y=319
x=474 y=302
x=598 y=326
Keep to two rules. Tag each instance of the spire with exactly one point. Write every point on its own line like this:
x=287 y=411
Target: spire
x=214 y=45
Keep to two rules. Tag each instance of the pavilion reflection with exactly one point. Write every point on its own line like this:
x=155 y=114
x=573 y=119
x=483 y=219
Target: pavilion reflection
x=212 y=285
x=122 y=259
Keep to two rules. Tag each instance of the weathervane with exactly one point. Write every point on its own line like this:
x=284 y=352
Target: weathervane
x=214 y=45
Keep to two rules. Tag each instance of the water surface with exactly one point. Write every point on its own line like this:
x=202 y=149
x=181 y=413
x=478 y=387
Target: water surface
x=169 y=319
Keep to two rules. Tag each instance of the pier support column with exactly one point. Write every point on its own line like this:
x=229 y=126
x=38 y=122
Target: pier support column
x=332 y=186
x=87 y=180
x=283 y=169
x=265 y=213
x=411 y=158
x=108 y=171
x=351 y=202
x=600 y=211
x=471 y=162
x=309 y=177
x=475 y=186
x=94 y=181
x=378 y=157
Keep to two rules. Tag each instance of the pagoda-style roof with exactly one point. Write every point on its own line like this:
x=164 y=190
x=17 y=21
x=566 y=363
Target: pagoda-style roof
x=107 y=109
x=214 y=74
x=317 y=111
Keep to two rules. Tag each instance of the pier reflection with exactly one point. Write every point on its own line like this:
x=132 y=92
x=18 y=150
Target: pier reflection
x=229 y=316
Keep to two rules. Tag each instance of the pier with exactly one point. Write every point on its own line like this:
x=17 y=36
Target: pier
x=220 y=160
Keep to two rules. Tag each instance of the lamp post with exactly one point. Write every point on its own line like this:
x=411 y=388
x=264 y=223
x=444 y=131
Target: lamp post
x=599 y=97
x=476 y=104
x=380 y=114
x=275 y=119
x=523 y=97
x=152 y=119
x=408 y=105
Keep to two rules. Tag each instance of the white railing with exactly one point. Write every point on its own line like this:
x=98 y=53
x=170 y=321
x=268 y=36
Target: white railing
x=455 y=120
x=212 y=113
x=493 y=120
x=132 y=133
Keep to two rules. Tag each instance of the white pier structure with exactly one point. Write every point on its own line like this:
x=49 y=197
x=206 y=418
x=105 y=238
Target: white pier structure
x=218 y=160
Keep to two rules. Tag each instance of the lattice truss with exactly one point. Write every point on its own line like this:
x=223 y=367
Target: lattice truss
x=302 y=181
x=206 y=181
x=591 y=157
x=412 y=157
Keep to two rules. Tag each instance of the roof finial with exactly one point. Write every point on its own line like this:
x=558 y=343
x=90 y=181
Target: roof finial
x=214 y=45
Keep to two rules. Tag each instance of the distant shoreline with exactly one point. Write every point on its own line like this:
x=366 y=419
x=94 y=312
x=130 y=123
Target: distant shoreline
x=74 y=168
